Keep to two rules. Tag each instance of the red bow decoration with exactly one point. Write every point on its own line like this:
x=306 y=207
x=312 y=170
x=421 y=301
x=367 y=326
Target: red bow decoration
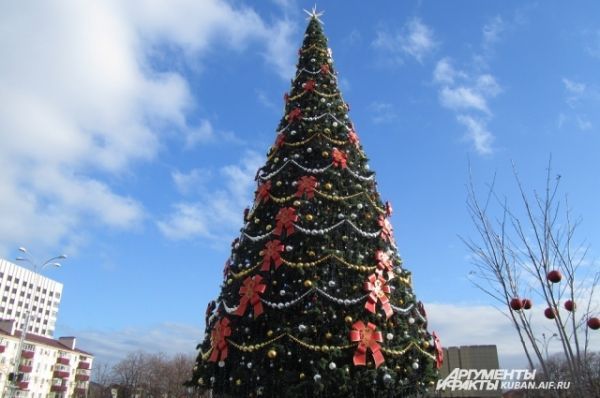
x=387 y=232
x=379 y=290
x=285 y=220
x=279 y=140
x=325 y=69
x=295 y=114
x=271 y=252
x=262 y=194
x=439 y=351
x=388 y=209
x=367 y=338
x=307 y=185
x=384 y=263
x=353 y=138
x=339 y=158
x=286 y=97
x=310 y=85
x=250 y=291
x=220 y=331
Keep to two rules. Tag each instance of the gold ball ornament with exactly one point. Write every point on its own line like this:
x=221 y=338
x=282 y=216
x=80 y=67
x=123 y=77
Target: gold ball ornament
x=279 y=183
x=268 y=227
x=302 y=376
x=309 y=217
x=311 y=253
x=272 y=354
x=426 y=344
x=325 y=154
x=238 y=382
x=296 y=203
x=348 y=319
x=308 y=283
x=229 y=281
x=269 y=333
x=256 y=220
x=327 y=131
x=328 y=186
x=328 y=335
x=275 y=160
x=368 y=216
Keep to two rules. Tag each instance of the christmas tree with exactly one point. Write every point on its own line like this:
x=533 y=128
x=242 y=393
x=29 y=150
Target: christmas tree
x=315 y=301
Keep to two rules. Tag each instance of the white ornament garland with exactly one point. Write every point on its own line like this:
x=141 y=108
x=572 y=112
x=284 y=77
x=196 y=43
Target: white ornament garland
x=321 y=231
x=308 y=170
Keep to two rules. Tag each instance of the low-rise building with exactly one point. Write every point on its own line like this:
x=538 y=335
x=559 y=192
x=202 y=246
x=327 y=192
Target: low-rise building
x=48 y=368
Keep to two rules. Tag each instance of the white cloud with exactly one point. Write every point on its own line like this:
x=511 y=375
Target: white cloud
x=462 y=97
x=415 y=39
x=492 y=31
x=168 y=338
x=573 y=87
x=219 y=211
x=81 y=100
x=264 y=100
x=593 y=44
x=575 y=91
x=444 y=72
x=477 y=133
x=382 y=112
x=583 y=123
x=468 y=96
x=192 y=181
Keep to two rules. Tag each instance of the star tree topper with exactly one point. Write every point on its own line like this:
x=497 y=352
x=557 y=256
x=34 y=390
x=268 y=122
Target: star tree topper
x=314 y=14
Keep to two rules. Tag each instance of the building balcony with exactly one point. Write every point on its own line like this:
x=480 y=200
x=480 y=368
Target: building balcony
x=58 y=388
x=27 y=354
x=83 y=365
x=62 y=360
x=23 y=385
x=82 y=377
x=81 y=391
x=61 y=374
x=25 y=368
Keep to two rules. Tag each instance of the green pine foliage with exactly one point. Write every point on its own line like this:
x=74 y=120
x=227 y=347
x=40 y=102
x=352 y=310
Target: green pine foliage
x=300 y=345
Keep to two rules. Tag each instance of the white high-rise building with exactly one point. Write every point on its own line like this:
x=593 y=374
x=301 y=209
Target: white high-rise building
x=22 y=290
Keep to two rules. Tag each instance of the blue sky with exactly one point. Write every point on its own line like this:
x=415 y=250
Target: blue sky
x=130 y=135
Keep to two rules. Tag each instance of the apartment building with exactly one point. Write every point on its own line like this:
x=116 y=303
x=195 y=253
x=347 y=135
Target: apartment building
x=48 y=368
x=22 y=290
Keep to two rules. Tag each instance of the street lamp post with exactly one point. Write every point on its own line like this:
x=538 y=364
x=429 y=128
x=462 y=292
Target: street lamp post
x=36 y=267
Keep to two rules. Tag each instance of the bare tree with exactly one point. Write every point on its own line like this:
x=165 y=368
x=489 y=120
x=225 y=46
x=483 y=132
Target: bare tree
x=143 y=375
x=529 y=250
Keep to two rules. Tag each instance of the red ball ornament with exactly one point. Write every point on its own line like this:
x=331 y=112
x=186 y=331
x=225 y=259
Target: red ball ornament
x=570 y=305
x=550 y=313
x=554 y=276
x=527 y=304
x=516 y=304
x=594 y=323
